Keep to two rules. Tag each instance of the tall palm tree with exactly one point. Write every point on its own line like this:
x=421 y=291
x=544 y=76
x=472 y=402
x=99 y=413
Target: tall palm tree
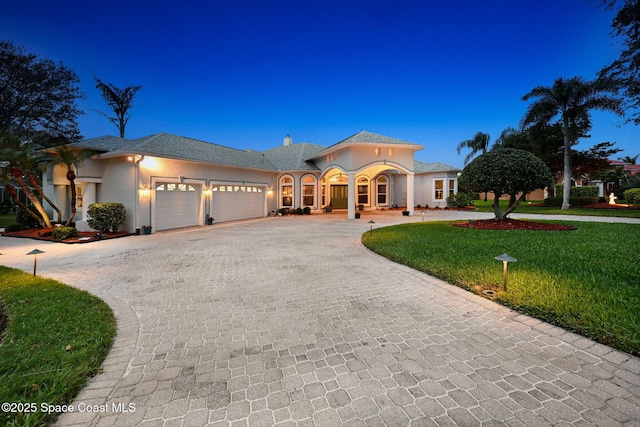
x=570 y=101
x=119 y=100
x=479 y=143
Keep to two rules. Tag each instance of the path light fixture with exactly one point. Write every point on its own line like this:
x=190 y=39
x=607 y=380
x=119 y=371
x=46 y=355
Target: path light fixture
x=35 y=253
x=422 y=216
x=371 y=222
x=505 y=260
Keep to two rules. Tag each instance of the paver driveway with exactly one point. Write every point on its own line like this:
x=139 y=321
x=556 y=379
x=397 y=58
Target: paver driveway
x=291 y=321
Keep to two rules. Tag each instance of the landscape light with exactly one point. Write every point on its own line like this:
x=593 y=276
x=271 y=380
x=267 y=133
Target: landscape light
x=505 y=260
x=35 y=253
x=371 y=222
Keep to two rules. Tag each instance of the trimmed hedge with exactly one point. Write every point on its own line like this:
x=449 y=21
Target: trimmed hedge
x=584 y=191
x=573 y=201
x=632 y=195
x=62 y=233
x=460 y=200
x=107 y=216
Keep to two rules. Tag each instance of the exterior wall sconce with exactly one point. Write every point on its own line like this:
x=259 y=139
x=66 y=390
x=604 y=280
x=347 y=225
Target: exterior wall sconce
x=269 y=191
x=505 y=260
x=144 y=191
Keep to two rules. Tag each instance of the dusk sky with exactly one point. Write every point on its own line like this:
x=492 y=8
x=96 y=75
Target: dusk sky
x=246 y=73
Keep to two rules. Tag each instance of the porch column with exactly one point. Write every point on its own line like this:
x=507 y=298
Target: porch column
x=88 y=198
x=410 y=193
x=351 y=195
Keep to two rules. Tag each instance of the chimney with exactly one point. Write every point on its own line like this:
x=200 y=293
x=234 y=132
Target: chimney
x=287 y=140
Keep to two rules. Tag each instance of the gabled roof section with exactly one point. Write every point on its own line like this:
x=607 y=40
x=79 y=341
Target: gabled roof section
x=104 y=143
x=422 y=167
x=363 y=138
x=293 y=157
x=182 y=148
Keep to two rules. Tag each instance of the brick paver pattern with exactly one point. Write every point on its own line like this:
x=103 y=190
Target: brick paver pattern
x=291 y=321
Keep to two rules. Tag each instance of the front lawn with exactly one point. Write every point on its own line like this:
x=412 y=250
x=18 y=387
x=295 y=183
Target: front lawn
x=586 y=280
x=55 y=340
x=524 y=208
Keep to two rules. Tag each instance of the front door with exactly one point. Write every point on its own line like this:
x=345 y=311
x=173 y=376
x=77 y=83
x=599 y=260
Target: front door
x=339 y=196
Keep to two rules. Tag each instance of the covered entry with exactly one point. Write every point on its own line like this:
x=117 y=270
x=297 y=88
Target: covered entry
x=177 y=205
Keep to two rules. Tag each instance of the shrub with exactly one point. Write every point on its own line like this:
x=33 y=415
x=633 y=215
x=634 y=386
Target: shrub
x=106 y=217
x=298 y=211
x=283 y=211
x=459 y=200
x=26 y=220
x=573 y=201
x=14 y=227
x=63 y=233
x=306 y=210
x=584 y=191
x=632 y=195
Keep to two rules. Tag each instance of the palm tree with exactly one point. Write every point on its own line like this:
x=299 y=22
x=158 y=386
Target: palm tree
x=480 y=142
x=70 y=158
x=570 y=101
x=629 y=159
x=119 y=100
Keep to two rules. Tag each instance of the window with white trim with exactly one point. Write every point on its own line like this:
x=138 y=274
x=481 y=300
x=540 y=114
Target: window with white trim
x=438 y=187
x=362 y=184
x=286 y=191
x=382 y=190
x=452 y=187
x=308 y=191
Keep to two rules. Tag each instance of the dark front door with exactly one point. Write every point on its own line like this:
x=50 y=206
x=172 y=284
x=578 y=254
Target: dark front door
x=339 y=196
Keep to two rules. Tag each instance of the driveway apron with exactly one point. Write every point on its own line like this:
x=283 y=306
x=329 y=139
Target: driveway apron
x=291 y=321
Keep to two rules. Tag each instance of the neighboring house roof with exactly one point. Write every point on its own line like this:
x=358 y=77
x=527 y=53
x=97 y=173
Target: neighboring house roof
x=627 y=167
x=421 y=167
x=293 y=157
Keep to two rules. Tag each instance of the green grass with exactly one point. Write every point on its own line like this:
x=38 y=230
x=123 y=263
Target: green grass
x=586 y=280
x=45 y=317
x=6 y=219
x=482 y=206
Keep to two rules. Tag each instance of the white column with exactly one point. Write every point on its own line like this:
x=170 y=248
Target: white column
x=410 y=193
x=351 y=195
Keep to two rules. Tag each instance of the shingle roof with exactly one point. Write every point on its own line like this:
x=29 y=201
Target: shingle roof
x=370 y=137
x=104 y=143
x=293 y=157
x=421 y=167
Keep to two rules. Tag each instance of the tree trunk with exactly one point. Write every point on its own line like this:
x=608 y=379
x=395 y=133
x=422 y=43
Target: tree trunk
x=73 y=199
x=34 y=183
x=566 y=191
x=14 y=195
x=34 y=201
x=496 y=208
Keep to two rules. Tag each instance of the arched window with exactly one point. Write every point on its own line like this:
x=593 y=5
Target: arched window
x=362 y=183
x=286 y=191
x=382 y=190
x=308 y=191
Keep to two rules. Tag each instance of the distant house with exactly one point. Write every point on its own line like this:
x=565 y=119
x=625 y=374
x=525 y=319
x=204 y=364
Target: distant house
x=170 y=181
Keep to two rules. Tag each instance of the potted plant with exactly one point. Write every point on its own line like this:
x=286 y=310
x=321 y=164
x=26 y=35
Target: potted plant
x=360 y=207
x=405 y=213
x=328 y=208
x=146 y=229
x=209 y=220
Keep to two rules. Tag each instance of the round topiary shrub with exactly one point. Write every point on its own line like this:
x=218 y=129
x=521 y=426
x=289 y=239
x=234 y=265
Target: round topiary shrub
x=306 y=210
x=63 y=233
x=460 y=200
x=107 y=217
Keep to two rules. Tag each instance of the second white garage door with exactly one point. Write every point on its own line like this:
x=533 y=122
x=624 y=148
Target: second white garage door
x=232 y=202
x=177 y=205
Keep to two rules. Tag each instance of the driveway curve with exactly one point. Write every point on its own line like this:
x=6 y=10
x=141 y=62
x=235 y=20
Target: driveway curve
x=291 y=321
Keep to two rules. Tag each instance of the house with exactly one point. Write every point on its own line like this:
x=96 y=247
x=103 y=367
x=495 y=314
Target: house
x=170 y=181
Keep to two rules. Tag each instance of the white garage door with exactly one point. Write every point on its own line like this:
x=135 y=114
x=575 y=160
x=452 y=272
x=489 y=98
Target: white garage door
x=177 y=205
x=231 y=202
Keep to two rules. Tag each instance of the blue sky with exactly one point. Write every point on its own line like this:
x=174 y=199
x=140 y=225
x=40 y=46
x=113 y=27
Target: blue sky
x=246 y=73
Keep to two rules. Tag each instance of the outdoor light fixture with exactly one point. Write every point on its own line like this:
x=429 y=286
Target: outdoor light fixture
x=505 y=260
x=35 y=253
x=371 y=222
x=422 y=216
x=144 y=191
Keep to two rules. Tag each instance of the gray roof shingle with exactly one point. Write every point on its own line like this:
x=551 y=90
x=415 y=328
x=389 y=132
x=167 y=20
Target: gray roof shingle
x=422 y=167
x=293 y=157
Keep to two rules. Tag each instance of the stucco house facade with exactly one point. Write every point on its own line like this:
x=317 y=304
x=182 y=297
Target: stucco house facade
x=167 y=181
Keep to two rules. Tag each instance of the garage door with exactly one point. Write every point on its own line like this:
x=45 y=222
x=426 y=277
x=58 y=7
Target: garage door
x=177 y=205
x=231 y=202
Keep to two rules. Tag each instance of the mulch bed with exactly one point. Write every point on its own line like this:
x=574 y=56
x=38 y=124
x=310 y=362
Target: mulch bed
x=591 y=206
x=83 y=236
x=512 y=224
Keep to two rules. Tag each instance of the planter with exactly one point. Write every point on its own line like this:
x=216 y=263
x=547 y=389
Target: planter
x=405 y=213
x=360 y=207
x=209 y=221
x=357 y=215
x=146 y=230
x=328 y=209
